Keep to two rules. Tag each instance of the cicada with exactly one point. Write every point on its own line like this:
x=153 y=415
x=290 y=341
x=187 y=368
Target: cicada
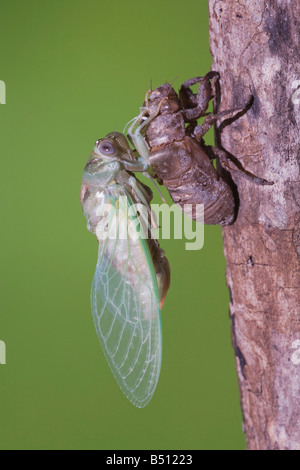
x=132 y=273
x=179 y=156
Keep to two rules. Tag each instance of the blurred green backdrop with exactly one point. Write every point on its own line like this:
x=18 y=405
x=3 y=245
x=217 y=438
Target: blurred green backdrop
x=75 y=71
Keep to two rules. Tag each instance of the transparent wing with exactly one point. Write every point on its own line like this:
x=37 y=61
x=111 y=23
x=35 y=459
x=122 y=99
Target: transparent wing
x=126 y=310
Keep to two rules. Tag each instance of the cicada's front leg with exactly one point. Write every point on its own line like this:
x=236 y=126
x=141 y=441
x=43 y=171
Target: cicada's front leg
x=196 y=104
x=136 y=136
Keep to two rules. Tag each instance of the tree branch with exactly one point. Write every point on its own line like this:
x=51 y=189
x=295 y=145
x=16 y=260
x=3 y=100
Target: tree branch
x=256 y=49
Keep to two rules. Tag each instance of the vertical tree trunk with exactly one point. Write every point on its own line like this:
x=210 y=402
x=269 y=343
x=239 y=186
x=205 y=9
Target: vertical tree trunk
x=256 y=49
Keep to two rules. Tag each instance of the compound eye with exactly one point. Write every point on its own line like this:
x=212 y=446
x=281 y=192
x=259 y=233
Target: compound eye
x=106 y=148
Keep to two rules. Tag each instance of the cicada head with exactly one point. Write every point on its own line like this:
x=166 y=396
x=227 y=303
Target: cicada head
x=165 y=98
x=113 y=147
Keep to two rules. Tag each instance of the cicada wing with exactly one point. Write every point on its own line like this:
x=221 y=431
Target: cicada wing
x=126 y=311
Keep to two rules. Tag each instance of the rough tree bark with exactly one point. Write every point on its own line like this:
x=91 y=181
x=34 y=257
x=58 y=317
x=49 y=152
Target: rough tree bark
x=255 y=46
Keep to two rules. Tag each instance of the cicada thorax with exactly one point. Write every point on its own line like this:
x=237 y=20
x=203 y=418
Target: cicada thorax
x=182 y=165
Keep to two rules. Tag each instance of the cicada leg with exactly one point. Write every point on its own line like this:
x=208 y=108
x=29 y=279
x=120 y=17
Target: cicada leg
x=135 y=136
x=139 y=142
x=235 y=167
x=210 y=119
x=143 y=195
x=195 y=104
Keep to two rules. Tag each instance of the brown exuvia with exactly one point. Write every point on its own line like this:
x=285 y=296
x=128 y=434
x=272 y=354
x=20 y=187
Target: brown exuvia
x=179 y=156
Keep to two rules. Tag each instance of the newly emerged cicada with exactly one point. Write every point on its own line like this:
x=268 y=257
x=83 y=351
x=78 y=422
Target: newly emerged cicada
x=132 y=273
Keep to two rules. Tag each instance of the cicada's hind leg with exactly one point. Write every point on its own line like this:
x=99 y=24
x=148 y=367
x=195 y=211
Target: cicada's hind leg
x=233 y=166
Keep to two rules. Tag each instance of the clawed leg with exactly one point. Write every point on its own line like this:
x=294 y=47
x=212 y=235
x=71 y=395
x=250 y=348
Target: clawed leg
x=145 y=195
x=196 y=104
x=138 y=140
x=199 y=131
x=234 y=167
x=135 y=136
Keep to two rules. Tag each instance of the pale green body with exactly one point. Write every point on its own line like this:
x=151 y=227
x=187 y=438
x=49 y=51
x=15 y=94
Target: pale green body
x=132 y=274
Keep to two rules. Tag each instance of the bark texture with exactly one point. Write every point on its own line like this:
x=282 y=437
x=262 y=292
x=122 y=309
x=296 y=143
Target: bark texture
x=256 y=49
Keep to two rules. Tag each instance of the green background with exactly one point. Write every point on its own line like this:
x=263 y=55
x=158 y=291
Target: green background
x=74 y=71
